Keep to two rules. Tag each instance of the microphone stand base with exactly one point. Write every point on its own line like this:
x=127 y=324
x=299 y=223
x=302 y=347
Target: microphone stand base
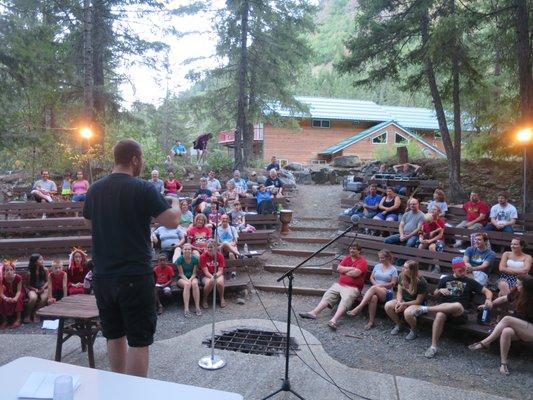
x=211 y=363
x=285 y=387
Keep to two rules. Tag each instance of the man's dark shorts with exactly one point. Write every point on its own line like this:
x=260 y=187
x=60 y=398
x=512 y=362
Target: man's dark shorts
x=127 y=308
x=457 y=320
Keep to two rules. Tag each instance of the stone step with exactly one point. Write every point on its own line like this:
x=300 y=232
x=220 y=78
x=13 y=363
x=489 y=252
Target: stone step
x=305 y=291
x=301 y=253
x=305 y=239
x=312 y=229
x=303 y=269
x=319 y=219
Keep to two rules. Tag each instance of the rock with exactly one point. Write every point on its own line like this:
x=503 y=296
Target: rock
x=346 y=161
x=303 y=177
x=322 y=176
x=240 y=300
x=287 y=182
x=294 y=167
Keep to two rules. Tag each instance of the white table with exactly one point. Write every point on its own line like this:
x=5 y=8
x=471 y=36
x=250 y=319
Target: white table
x=103 y=385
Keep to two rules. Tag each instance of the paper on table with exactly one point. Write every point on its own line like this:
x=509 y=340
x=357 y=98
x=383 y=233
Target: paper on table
x=252 y=252
x=40 y=385
x=50 y=324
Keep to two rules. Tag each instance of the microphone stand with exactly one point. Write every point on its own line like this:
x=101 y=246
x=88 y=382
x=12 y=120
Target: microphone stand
x=286 y=385
x=213 y=362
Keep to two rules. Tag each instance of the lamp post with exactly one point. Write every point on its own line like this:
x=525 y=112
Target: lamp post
x=86 y=133
x=524 y=137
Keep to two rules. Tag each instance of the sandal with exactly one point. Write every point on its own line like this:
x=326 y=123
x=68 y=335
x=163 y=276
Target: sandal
x=159 y=310
x=477 y=346
x=15 y=325
x=332 y=325
x=504 y=370
x=223 y=304
x=187 y=314
x=198 y=312
x=307 y=315
x=369 y=326
x=205 y=305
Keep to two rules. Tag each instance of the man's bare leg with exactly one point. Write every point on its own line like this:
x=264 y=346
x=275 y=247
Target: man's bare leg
x=137 y=361
x=117 y=351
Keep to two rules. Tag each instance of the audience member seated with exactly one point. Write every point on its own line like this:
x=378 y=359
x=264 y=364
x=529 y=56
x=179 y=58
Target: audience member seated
x=409 y=226
x=274 y=164
x=352 y=271
x=273 y=183
x=265 y=205
x=178 y=149
x=439 y=199
x=199 y=234
x=479 y=259
x=80 y=186
x=186 y=215
x=240 y=184
x=518 y=326
x=477 y=212
x=412 y=292
x=202 y=197
x=66 y=185
x=503 y=215
x=213 y=183
x=454 y=294
x=432 y=231
x=76 y=272
x=172 y=186
x=405 y=171
x=370 y=205
x=389 y=206
x=228 y=237
x=171 y=240
x=11 y=297
x=158 y=183
x=230 y=194
x=57 y=282
x=383 y=279
x=212 y=265
x=44 y=189
x=88 y=280
x=187 y=265
x=512 y=264
x=37 y=285
x=237 y=213
x=163 y=279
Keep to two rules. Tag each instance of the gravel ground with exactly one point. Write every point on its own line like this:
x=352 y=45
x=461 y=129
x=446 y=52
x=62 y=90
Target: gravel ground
x=373 y=350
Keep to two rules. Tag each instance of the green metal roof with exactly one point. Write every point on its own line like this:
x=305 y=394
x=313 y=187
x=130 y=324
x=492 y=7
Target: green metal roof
x=367 y=132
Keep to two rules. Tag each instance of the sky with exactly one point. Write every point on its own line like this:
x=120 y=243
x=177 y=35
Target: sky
x=149 y=85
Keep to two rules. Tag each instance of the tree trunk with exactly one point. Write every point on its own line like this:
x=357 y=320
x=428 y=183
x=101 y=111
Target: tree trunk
x=88 y=71
x=100 y=33
x=525 y=79
x=248 y=138
x=241 y=78
x=453 y=161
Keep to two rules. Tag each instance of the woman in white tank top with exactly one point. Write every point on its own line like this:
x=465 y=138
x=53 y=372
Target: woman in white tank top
x=512 y=264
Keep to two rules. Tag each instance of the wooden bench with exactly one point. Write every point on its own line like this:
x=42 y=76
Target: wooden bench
x=30 y=209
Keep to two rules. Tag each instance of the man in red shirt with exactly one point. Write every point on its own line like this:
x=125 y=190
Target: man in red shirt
x=163 y=278
x=212 y=264
x=477 y=212
x=352 y=272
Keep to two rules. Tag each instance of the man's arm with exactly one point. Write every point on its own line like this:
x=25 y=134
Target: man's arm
x=478 y=219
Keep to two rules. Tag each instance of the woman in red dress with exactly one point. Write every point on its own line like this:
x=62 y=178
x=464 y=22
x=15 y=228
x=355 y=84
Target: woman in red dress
x=77 y=269
x=57 y=282
x=11 y=296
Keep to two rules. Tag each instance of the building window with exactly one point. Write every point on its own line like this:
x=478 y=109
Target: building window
x=321 y=123
x=399 y=139
x=438 y=135
x=380 y=139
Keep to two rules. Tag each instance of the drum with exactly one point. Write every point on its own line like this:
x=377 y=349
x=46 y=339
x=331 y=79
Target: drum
x=285 y=217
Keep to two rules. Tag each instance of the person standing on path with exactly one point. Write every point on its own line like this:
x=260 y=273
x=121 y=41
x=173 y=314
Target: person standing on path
x=120 y=207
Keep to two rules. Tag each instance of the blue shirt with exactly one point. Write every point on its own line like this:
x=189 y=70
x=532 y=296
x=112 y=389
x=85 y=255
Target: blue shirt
x=179 y=148
x=478 y=257
x=262 y=196
x=372 y=200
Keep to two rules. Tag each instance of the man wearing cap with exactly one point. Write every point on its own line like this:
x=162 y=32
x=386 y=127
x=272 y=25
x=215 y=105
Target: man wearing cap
x=454 y=294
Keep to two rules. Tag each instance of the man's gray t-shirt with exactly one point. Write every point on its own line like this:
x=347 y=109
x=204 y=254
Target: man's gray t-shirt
x=159 y=185
x=48 y=185
x=411 y=221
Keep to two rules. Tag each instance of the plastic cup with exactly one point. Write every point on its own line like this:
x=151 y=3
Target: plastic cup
x=63 y=388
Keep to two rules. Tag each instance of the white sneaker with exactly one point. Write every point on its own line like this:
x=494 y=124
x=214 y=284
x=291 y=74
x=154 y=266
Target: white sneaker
x=412 y=335
x=395 y=330
x=430 y=353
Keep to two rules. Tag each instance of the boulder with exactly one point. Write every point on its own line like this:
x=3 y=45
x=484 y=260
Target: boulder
x=303 y=177
x=287 y=182
x=346 y=161
x=294 y=167
x=322 y=176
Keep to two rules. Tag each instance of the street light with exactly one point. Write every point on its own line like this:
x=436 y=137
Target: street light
x=86 y=133
x=524 y=137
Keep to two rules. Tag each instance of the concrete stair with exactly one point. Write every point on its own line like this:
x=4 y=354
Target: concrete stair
x=280 y=269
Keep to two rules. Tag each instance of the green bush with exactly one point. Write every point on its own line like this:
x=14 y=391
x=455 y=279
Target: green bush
x=385 y=152
x=219 y=161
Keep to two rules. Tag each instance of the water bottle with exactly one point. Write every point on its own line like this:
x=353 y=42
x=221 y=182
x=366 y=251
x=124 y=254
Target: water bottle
x=485 y=316
x=246 y=248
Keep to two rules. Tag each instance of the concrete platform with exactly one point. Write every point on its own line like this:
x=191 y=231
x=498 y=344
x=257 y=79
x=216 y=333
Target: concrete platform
x=253 y=376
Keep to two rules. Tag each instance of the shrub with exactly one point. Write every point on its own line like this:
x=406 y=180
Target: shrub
x=219 y=161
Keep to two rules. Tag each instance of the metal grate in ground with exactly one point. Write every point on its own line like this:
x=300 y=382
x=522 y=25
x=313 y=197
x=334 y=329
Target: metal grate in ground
x=252 y=341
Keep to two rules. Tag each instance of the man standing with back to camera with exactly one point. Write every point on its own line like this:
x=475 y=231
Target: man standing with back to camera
x=120 y=208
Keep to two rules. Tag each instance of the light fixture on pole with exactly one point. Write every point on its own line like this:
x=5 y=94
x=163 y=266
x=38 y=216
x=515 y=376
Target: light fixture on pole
x=87 y=133
x=524 y=137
